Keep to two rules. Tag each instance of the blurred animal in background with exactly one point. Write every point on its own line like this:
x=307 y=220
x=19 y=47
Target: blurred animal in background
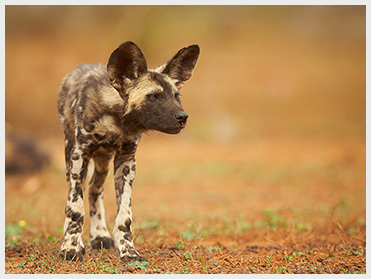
x=104 y=111
x=24 y=154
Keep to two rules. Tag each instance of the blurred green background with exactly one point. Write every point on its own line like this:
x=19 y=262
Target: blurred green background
x=264 y=71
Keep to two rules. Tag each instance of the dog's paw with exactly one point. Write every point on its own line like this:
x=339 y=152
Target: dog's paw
x=72 y=255
x=102 y=242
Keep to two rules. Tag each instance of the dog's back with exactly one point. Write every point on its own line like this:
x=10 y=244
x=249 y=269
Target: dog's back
x=88 y=103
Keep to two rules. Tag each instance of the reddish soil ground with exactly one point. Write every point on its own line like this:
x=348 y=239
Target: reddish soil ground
x=213 y=220
x=214 y=255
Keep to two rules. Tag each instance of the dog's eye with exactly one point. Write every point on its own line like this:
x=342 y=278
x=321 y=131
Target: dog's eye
x=177 y=96
x=152 y=96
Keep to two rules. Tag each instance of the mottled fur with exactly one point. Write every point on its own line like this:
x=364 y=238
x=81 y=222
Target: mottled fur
x=104 y=110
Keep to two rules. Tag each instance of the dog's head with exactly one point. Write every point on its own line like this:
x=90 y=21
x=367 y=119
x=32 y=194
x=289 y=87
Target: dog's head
x=152 y=96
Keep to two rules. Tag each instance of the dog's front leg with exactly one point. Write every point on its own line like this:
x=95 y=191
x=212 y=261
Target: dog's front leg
x=72 y=246
x=125 y=167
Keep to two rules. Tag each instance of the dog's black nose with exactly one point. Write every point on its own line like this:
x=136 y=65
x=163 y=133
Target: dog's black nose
x=181 y=116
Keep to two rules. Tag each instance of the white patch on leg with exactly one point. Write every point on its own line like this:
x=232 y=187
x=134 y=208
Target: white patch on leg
x=77 y=164
x=67 y=243
x=98 y=225
x=76 y=206
x=125 y=211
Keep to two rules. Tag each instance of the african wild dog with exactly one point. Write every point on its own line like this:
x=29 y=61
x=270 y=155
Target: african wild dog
x=104 y=110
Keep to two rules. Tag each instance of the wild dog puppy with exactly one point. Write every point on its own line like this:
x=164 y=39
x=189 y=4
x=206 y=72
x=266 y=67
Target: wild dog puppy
x=104 y=111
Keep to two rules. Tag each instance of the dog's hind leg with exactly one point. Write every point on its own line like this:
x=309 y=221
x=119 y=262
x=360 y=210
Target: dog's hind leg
x=72 y=246
x=99 y=235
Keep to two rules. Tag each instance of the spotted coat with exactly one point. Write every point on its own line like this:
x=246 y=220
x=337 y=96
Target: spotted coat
x=104 y=111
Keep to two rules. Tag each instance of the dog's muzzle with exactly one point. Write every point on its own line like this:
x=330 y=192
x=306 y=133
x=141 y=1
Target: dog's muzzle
x=181 y=117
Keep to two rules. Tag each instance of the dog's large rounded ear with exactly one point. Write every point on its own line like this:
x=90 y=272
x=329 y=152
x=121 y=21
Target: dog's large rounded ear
x=125 y=64
x=181 y=66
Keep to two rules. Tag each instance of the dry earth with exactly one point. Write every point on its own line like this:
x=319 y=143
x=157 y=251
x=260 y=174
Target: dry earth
x=212 y=215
